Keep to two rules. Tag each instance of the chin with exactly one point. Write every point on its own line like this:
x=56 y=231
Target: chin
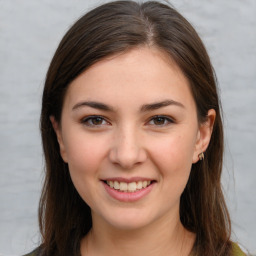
x=128 y=224
x=129 y=220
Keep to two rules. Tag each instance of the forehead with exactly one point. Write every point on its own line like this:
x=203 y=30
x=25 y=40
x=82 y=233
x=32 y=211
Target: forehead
x=140 y=74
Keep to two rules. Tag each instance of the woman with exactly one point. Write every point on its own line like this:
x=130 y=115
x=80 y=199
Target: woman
x=133 y=139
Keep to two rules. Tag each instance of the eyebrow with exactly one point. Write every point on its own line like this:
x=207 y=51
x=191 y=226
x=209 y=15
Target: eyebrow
x=157 y=105
x=93 y=104
x=144 y=108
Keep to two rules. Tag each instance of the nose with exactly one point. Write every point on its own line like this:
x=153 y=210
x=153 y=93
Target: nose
x=127 y=150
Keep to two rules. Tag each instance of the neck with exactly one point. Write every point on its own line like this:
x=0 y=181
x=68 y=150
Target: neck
x=166 y=237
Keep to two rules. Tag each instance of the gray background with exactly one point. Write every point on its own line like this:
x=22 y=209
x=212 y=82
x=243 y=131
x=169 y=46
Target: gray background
x=29 y=34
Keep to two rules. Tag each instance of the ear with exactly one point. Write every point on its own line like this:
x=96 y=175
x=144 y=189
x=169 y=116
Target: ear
x=204 y=135
x=58 y=132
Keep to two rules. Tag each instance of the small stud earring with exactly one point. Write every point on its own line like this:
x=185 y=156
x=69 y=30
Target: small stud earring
x=201 y=156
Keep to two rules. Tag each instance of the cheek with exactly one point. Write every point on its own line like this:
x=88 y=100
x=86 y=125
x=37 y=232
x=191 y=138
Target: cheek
x=84 y=159
x=176 y=144
x=173 y=159
x=174 y=154
x=85 y=153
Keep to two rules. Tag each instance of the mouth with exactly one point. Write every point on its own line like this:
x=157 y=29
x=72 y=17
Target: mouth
x=128 y=187
x=128 y=190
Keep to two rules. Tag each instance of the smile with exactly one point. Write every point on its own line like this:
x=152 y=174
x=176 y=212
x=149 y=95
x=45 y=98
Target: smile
x=128 y=187
x=126 y=190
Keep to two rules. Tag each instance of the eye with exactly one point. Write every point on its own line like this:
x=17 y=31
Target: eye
x=160 y=121
x=94 y=121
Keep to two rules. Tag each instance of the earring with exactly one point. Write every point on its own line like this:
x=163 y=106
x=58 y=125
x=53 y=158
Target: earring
x=201 y=156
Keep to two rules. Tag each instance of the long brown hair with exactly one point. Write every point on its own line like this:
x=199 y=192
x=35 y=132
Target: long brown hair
x=107 y=30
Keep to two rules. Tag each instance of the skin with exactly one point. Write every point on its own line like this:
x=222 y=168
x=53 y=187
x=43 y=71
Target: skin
x=129 y=141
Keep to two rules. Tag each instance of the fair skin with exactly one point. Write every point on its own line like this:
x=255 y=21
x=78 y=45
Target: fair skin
x=131 y=119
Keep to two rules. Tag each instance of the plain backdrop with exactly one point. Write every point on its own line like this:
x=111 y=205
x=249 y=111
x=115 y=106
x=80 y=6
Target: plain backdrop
x=29 y=34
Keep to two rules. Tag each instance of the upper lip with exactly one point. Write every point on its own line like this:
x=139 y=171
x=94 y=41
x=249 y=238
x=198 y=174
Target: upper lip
x=128 y=180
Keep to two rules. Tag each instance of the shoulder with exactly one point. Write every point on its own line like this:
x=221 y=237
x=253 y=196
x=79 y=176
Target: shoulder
x=237 y=251
x=36 y=252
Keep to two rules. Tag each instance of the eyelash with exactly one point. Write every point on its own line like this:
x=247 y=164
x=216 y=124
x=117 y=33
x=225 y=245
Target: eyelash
x=167 y=120
x=88 y=121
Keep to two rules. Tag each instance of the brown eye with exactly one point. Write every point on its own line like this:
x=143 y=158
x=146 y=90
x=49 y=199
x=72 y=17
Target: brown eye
x=94 y=121
x=161 y=121
x=97 y=121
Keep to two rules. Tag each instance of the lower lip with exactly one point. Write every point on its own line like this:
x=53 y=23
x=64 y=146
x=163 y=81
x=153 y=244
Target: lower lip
x=128 y=196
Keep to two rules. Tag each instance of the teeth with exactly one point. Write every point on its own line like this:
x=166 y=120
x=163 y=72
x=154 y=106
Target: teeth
x=139 y=185
x=132 y=186
x=123 y=186
x=144 y=184
x=116 y=185
x=128 y=187
x=111 y=184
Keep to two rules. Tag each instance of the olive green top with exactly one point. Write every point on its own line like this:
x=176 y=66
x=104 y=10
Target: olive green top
x=236 y=251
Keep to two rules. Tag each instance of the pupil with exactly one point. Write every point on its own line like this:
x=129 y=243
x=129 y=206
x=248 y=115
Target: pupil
x=97 y=120
x=159 y=120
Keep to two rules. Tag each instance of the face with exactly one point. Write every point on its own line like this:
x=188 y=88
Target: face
x=129 y=132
